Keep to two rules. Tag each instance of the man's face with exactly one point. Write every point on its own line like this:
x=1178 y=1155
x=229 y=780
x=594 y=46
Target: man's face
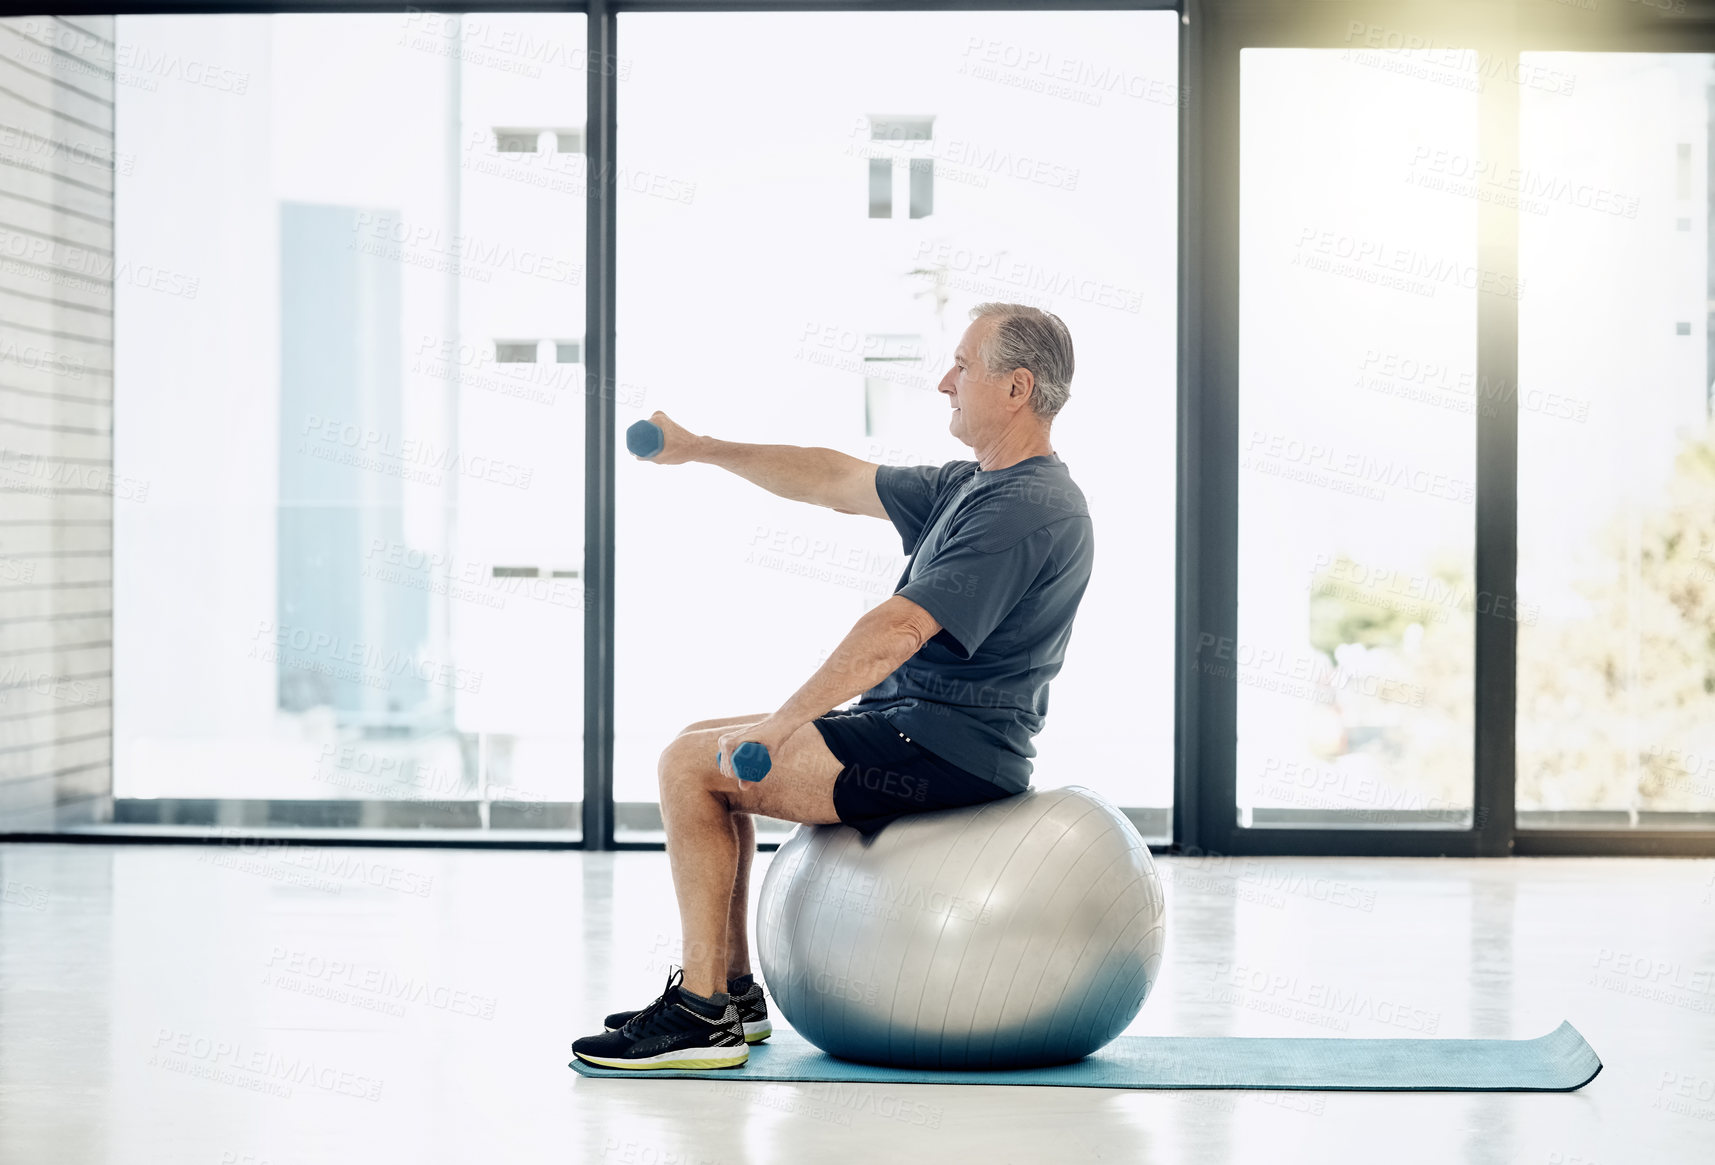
x=978 y=400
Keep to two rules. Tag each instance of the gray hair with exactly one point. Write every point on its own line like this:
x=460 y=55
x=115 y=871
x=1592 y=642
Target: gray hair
x=1028 y=337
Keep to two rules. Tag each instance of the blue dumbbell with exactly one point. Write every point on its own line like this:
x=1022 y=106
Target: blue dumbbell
x=645 y=439
x=750 y=761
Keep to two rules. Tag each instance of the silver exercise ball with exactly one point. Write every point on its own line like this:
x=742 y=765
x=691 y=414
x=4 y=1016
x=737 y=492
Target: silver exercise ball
x=1018 y=933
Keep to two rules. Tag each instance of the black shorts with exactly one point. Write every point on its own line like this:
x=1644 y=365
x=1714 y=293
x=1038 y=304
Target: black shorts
x=889 y=775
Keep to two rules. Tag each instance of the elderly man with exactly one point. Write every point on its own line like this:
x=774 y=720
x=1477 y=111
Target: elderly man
x=950 y=673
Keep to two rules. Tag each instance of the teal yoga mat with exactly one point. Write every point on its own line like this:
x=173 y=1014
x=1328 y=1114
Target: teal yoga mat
x=1558 y=1062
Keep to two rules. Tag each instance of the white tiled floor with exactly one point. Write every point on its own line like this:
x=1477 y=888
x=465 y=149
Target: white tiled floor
x=211 y=1004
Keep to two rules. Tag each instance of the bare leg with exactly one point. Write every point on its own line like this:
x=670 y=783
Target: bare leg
x=702 y=850
x=701 y=811
x=737 y=938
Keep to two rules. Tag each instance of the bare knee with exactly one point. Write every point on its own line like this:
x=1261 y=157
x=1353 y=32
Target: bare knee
x=680 y=758
x=686 y=765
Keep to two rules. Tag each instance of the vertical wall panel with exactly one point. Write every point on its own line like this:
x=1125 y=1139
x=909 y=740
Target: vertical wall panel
x=57 y=487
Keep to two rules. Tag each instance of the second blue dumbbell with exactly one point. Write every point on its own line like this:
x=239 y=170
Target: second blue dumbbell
x=750 y=761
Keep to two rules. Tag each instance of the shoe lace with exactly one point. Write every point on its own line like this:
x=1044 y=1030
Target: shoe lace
x=642 y=1018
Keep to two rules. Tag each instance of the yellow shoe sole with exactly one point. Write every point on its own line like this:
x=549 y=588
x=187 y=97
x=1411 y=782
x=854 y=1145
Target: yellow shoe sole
x=702 y=1061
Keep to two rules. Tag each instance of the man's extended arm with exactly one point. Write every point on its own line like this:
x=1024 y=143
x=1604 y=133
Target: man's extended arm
x=885 y=637
x=822 y=477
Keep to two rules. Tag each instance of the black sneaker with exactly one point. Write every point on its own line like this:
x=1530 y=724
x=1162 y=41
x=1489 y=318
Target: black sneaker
x=752 y=1012
x=669 y=1034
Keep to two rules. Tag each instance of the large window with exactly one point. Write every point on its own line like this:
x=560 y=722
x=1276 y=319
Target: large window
x=1358 y=287
x=798 y=257
x=350 y=309
x=1616 y=677
x=1443 y=482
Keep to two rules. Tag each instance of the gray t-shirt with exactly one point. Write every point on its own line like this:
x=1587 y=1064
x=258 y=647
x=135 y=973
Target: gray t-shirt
x=1001 y=558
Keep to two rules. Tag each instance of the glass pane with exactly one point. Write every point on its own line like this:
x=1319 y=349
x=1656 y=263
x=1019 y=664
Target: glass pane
x=1357 y=443
x=758 y=300
x=358 y=574
x=1616 y=673
x=922 y=187
x=880 y=188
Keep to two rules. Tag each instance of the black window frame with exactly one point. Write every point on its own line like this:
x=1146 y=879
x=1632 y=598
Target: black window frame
x=1205 y=793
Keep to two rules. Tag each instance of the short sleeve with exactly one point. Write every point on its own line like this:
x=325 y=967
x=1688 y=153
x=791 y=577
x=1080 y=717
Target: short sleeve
x=908 y=494
x=970 y=586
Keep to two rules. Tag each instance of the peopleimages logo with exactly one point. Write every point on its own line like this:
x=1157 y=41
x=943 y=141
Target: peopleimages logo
x=254 y=1068
x=370 y=659
x=1365 y=473
x=488 y=42
x=1377 y=260
x=431 y=245
x=1534 y=189
x=1418 y=56
x=30 y=472
x=1318 y=1003
x=961 y=159
x=41 y=360
x=70 y=49
x=974 y=270
x=295 y=969
x=1309 y=677
x=1044 y=71
x=322 y=868
x=345 y=442
x=66 y=264
x=34 y=151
